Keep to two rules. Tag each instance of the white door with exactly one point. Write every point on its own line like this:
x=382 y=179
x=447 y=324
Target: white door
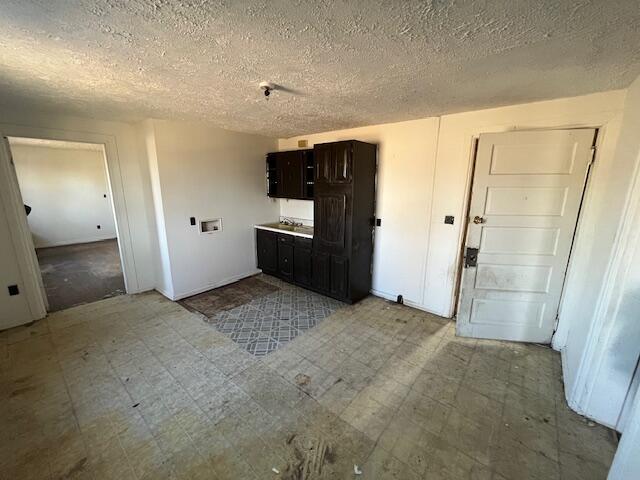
x=526 y=193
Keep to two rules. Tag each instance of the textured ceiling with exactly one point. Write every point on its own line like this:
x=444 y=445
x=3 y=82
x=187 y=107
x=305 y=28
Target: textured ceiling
x=344 y=63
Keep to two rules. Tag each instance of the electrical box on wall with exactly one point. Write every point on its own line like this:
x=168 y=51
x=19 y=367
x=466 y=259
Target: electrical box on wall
x=211 y=226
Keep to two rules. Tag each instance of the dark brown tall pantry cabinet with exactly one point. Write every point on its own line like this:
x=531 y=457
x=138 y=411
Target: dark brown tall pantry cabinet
x=344 y=208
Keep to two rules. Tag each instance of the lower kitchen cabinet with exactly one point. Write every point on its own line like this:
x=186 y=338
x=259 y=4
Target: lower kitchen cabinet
x=330 y=274
x=285 y=256
x=302 y=267
x=267 y=243
x=291 y=258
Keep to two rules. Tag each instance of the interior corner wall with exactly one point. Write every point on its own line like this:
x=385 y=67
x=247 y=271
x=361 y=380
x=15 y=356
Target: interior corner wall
x=601 y=335
x=68 y=192
x=162 y=262
x=134 y=175
x=208 y=173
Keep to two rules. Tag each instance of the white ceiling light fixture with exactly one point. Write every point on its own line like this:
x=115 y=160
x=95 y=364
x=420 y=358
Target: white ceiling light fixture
x=267 y=88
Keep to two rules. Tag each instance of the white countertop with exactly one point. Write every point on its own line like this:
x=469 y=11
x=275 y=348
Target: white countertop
x=306 y=232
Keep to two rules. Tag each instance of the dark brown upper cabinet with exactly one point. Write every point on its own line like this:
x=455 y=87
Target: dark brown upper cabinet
x=334 y=163
x=290 y=174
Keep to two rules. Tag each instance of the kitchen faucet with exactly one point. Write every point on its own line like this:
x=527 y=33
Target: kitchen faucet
x=289 y=221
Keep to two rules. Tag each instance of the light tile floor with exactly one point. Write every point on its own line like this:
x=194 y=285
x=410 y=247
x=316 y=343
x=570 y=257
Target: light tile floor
x=137 y=387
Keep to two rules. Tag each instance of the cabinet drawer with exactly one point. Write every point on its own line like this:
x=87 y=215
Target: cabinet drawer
x=304 y=242
x=284 y=238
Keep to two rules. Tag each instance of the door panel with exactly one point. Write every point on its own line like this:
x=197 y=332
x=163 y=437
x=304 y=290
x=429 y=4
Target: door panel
x=290 y=174
x=321 y=269
x=552 y=158
x=513 y=278
x=285 y=260
x=339 y=273
x=267 y=251
x=519 y=240
x=302 y=266
x=323 y=160
x=525 y=200
x=341 y=164
x=330 y=214
x=526 y=194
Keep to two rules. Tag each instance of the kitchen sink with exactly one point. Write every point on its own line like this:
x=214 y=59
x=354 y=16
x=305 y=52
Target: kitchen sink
x=290 y=228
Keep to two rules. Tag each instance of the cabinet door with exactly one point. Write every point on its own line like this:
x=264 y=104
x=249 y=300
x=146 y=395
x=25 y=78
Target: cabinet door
x=290 y=176
x=330 y=214
x=267 y=251
x=272 y=175
x=339 y=284
x=285 y=260
x=321 y=265
x=341 y=167
x=322 y=157
x=302 y=266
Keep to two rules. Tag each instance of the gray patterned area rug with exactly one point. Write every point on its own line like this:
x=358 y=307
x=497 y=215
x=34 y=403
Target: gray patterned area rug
x=270 y=320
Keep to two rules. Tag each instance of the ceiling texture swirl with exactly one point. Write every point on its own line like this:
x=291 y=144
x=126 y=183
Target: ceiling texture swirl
x=339 y=63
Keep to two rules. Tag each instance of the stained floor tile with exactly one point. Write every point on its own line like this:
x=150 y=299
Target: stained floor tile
x=138 y=387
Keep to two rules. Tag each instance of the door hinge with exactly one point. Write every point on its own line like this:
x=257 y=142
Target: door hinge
x=593 y=155
x=556 y=323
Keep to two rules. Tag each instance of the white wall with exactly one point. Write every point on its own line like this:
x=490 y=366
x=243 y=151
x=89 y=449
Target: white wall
x=300 y=209
x=600 y=339
x=424 y=172
x=133 y=193
x=206 y=172
x=406 y=162
x=162 y=262
x=13 y=309
x=65 y=188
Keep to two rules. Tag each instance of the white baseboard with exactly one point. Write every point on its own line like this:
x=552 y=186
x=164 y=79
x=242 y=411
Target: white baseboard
x=76 y=241
x=164 y=293
x=211 y=286
x=409 y=303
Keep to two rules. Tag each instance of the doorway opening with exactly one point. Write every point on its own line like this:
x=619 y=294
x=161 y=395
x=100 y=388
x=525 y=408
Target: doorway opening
x=68 y=202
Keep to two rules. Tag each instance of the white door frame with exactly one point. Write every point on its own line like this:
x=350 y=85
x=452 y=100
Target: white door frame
x=11 y=197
